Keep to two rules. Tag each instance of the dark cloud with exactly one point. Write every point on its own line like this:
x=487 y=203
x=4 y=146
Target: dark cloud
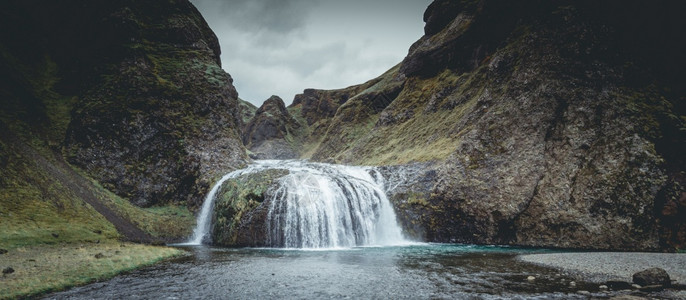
x=282 y=47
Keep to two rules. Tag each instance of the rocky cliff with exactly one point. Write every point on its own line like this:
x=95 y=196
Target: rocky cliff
x=270 y=133
x=159 y=121
x=125 y=95
x=545 y=123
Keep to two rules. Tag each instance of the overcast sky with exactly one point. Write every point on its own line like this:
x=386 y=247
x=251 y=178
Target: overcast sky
x=281 y=47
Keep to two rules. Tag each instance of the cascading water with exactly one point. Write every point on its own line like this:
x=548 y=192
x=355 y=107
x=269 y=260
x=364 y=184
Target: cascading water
x=319 y=206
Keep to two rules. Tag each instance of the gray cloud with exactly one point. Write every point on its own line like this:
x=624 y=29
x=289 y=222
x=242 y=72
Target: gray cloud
x=282 y=47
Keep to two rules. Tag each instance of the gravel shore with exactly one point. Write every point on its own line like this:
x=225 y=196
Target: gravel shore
x=603 y=266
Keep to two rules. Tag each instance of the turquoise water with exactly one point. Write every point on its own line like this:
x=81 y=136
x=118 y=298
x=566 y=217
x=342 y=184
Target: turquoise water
x=437 y=271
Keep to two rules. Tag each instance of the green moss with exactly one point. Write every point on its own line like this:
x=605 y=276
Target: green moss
x=238 y=197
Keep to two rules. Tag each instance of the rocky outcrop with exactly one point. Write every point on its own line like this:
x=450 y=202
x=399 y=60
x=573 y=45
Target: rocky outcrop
x=153 y=115
x=240 y=211
x=158 y=120
x=540 y=124
x=271 y=132
x=246 y=111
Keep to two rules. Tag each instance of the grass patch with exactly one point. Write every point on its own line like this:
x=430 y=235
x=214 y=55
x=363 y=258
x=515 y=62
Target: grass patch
x=431 y=132
x=37 y=209
x=169 y=222
x=44 y=269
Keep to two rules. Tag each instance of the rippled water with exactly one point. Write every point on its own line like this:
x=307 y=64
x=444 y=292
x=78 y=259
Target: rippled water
x=420 y=271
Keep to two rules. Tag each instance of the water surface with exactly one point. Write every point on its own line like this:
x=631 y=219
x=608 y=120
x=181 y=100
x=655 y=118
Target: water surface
x=403 y=272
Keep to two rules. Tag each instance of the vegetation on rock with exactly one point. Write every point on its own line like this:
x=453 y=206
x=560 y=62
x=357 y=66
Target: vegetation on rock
x=240 y=213
x=543 y=124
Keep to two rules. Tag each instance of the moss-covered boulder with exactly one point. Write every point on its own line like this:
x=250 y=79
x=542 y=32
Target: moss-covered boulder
x=240 y=210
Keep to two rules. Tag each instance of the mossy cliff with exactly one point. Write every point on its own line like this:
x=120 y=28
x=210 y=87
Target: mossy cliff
x=556 y=124
x=159 y=122
x=104 y=104
x=240 y=211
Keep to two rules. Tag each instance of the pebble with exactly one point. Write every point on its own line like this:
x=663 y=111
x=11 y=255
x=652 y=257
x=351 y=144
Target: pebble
x=572 y=283
x=636 y=286
x=603 y=287
x=582 y=292
x=531 y=278
x=8 y=270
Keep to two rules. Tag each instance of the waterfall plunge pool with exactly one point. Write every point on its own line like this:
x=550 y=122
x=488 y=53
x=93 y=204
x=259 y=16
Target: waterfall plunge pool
x=437 y=271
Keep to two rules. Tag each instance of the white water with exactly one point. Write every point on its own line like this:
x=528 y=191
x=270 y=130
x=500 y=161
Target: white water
x=319 y=206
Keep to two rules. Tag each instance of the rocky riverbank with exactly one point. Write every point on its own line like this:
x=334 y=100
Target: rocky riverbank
x=643 y=273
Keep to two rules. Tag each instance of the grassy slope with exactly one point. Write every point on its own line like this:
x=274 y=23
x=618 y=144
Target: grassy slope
x=43 y=269
x=47 y=225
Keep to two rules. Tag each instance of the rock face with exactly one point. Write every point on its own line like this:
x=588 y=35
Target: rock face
x=247 y=111
x=541 y=124
x=270 y=133
x=156 y=118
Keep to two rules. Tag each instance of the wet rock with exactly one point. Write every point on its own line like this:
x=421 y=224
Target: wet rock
x=8 y=270
x=239 y=215
x=652 y=288
x=651 y=277
x=618 y=285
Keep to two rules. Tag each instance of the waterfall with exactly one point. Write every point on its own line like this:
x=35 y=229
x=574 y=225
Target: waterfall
x=201 y=233
x=319 y=206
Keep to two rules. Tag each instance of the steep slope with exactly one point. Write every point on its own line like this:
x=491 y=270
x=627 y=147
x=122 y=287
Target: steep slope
x=104 y=104
x=159 y=121
x=552 y=124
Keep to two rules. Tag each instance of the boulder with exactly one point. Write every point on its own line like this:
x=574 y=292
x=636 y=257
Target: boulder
x=652 y=277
